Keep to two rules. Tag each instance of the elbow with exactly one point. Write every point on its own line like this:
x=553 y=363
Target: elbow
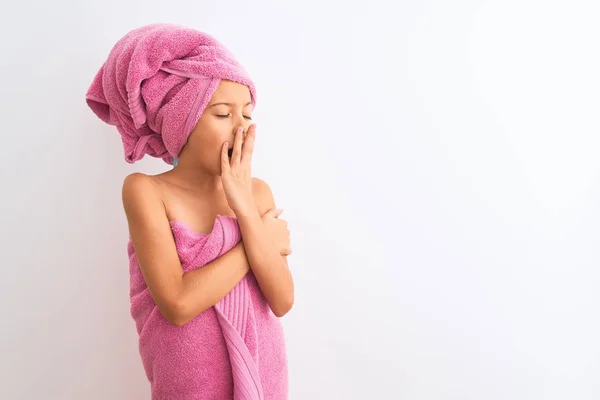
x=176 y=313
x=283 y=308
x=178 y=320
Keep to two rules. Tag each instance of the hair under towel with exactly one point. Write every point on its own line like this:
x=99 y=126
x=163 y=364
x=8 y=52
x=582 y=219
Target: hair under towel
x=155 y=85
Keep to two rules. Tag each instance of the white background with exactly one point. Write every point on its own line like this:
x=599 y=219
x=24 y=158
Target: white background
x=437 y=162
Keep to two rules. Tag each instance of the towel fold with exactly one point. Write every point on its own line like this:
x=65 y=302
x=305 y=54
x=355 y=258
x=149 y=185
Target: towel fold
x=234 y=350
x=155 y=84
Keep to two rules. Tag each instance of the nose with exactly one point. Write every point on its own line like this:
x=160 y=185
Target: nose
x=240 y=122
x=244 y=125
x=234 y=134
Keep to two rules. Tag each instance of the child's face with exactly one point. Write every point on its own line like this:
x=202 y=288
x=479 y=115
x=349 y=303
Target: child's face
x=229 y=108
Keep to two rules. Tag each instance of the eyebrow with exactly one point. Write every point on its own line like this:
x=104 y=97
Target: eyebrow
x=227 y=104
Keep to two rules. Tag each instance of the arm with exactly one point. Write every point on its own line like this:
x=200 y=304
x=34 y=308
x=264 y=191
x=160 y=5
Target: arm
x=179 y=296
x=269 y=267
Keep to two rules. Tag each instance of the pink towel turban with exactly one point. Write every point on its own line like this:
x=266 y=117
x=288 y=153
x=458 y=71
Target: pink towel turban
x=155 y=84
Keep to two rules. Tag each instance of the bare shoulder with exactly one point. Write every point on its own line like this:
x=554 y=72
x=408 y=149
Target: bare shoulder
x=140 y=191
x=137 y=179
x=136 y=185
x=263 y=195
x=259 y=185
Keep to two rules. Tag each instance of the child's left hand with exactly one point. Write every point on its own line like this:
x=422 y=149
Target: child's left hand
x=235 y=173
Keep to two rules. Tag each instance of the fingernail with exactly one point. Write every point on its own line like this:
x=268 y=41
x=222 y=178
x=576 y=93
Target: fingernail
x=240 y=130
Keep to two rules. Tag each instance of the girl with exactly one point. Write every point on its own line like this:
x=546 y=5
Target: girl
x=209 y=278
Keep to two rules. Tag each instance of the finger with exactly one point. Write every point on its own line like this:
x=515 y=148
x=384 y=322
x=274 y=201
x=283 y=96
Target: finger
x=274 y=212
x=225 y=158
x=248 y=147
x=237 y=146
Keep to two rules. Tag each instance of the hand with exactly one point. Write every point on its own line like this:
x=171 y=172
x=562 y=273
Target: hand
x=235 y=173
x=277 y=230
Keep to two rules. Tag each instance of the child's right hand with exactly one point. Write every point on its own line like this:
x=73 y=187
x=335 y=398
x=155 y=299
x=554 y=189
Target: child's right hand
x=277 y=230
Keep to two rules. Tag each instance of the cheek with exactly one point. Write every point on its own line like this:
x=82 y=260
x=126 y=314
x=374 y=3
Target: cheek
x=209 y=134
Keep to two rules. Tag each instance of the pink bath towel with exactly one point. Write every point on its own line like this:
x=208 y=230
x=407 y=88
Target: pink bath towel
x=234 y=350
x=155 y=84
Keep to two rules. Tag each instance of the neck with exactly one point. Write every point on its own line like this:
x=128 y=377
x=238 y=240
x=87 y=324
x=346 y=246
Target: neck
x=197 y=179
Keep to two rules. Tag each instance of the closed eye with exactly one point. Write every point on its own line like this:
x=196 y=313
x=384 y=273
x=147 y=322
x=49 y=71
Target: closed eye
x=228 y=115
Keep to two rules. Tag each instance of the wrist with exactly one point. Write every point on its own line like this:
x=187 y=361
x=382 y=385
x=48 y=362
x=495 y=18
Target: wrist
x=248 y=215
x=243 y=206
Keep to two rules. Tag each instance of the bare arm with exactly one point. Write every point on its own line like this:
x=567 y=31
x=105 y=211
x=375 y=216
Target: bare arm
x=179 y=296
x=269 y=267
